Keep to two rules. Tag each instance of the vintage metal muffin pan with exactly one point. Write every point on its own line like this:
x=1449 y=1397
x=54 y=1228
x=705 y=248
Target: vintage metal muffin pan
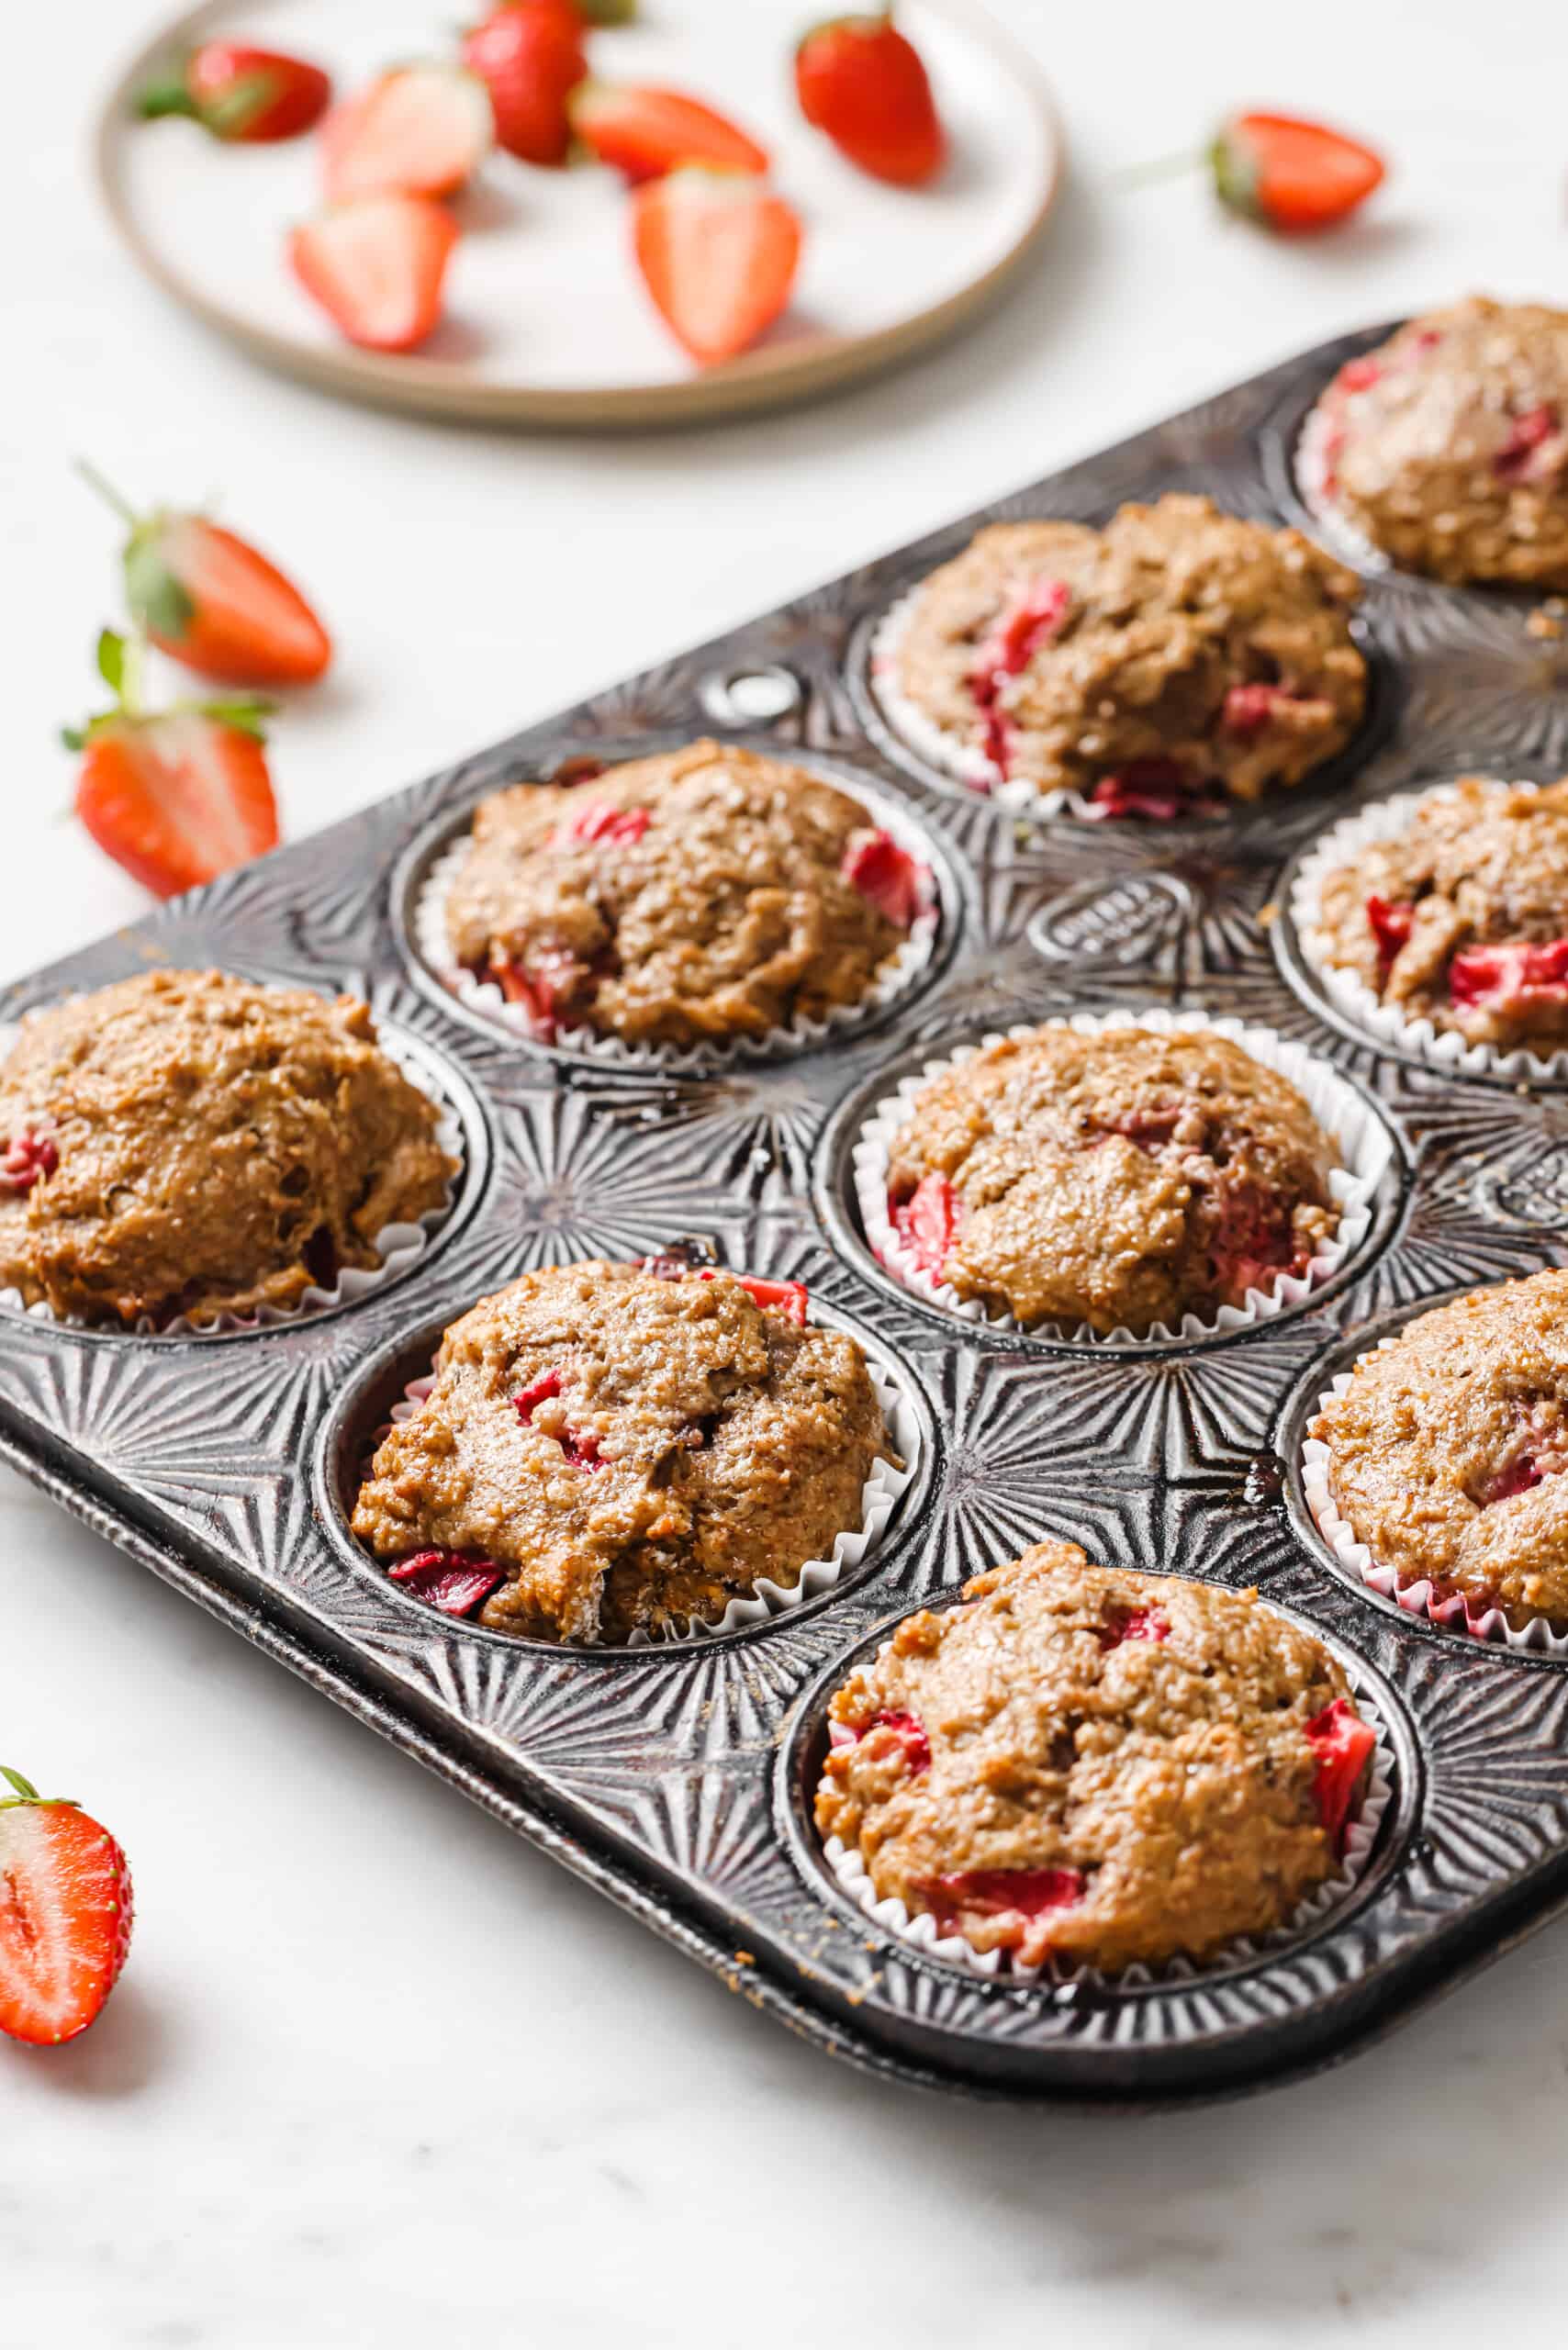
x=676 y=1779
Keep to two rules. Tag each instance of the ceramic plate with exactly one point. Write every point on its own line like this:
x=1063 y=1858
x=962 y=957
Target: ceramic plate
x=547 y=321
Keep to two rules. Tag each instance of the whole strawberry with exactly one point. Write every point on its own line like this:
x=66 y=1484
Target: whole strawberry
x=530 y=56
x=246 y=97
x=1289 y=175
x=65 y=1915
x=862 y=82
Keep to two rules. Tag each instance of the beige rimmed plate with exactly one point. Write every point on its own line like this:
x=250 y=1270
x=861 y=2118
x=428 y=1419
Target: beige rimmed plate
x=547 y=321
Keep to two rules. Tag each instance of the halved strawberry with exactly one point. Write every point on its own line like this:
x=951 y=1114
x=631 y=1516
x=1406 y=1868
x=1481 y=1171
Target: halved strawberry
x=241 y=93
x=66 y=1916
x=451 y=1580
x=1291 y=175
x=421 y=130
x=377 y=267
x=175 y=798
x=1343 y=1743
x=719 y=256
x=530 y=56
x=927 y=1221
x=207 y=597
x=859 y=80
x=647 y=133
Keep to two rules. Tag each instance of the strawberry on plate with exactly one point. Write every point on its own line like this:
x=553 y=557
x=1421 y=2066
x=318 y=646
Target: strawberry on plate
x=719 y=254
x=530 y=56
x=207 y=598
x=65 y=1915
x=1289 y=176
x=178 y=797
x=422 y=129
x=862 y=82
x=242 y=95
x=647 y=133
x=377 y=267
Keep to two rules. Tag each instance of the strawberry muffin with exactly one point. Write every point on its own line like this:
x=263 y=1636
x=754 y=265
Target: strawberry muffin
x=1445 y=1451
x=1462 y=918
x=1105 y=1768
x=1177 y=657
x=611 y=1449
x=188 y=1144
x=1121 y=1179
x=1447 y=448
x=701 y=897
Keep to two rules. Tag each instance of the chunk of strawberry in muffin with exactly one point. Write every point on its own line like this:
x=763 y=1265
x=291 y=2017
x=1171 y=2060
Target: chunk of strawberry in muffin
x=1344 y=1744
x=897 y=884
x=29 y=1157
x=1510 y=979
x=1016 y=1905
x=926 y=1222
x=449 y=1581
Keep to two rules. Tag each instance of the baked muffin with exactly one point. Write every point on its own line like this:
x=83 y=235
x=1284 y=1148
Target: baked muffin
x=1105 y=1768
x=701 y=896
x=1462 y=918
x=184 y=1143
x=1122 y=1179
x=1447 y=447
x=1444 y=1451
x=1178 y=655
x=610 y=1448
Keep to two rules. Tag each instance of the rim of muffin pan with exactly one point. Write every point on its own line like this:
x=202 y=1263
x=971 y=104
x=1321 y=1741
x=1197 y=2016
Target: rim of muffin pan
x=838 y=1212
x=456 y=1093
x=1300 y=1406
x=1311 y=990
x=1384 y=698
x=1281 y=442
x=637 y=1063
x=803 y=1749
x=345 y=1439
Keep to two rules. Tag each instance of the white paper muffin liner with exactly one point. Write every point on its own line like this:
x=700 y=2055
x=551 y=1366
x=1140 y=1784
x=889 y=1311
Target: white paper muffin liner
x=965 y=762
x=1361 y=1138
x=920 y=1930
x=1453 y=1614
x=879 y=1495
x=899 y=972
x=1440 y=1048
x=1313 y=474
x=398 y=1246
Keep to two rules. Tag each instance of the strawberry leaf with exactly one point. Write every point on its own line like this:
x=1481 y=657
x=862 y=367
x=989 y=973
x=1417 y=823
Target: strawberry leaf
x=164 y=96
x=245 y=714
x=111 y=660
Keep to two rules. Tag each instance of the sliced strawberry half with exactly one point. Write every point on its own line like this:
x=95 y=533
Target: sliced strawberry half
x=420 y=131
x=455 y=1582
x=647 y=133
x=718 y=255
x=377 y=267
x=927 y=1221
x=1389 y=921
x=1343 y=1743
x=1510 y=978
x=895 y=882
x=65 y=1915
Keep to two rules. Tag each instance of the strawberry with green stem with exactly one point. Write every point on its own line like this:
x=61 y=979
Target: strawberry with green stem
x=178 y=796
x=862 y=82
x=242 y=95
x=1284 y=173
x=65 y=1915
x=207 y=598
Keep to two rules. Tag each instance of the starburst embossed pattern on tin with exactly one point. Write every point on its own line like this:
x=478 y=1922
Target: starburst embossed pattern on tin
x=677 y=1780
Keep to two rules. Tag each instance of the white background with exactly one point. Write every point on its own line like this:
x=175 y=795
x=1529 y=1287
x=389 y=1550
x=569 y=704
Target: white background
x=377 y=2074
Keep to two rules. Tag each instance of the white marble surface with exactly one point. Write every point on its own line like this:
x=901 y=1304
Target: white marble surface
x=376 y=2074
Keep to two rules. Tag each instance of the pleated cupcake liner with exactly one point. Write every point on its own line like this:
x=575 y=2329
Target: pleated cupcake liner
x=879 y=1496
x=1441 y=1048
x=1358 y=1135
x=892 y=979
x=1454 y=1612
x=1313 y=474
x=397 y=1246
x=919 y=1928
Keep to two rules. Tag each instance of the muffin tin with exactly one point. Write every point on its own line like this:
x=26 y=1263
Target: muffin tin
x=678 y=1779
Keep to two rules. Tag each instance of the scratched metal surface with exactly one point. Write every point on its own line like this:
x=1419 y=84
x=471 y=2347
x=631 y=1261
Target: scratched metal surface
x=676 y=1779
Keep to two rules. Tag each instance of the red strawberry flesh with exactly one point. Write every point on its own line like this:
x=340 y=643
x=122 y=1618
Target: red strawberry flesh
x=27 y=1157
x=905 y=1731
x=581 y=1449
x=449 y=1581
x=1510 y=978
x=1253 y=1243
x=1389 y=923
x=1142 y=1624
x=788 y=1298
x=926 y=1222
x=1020 y=631
x=1342 y=1742
x=1016 y=1900
x=1158 y=790
x=1517 y=460
x=601 y=822
x=886 y=874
